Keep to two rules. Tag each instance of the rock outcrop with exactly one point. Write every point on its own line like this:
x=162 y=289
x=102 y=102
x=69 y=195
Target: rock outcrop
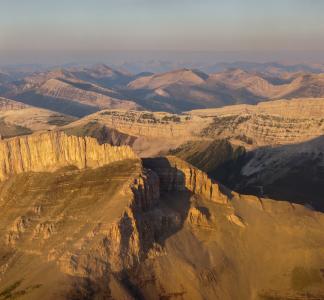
x=177 y=175
x=271 y=123
x=145 y=123
x=53 y=150
x=115 y=232
x=7 y=104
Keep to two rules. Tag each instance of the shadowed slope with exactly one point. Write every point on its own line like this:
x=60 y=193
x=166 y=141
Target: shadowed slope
x=116 y=231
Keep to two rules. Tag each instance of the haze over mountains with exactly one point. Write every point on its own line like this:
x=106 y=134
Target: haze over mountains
x=79 y=91
x=110 y=180
x=162 y=150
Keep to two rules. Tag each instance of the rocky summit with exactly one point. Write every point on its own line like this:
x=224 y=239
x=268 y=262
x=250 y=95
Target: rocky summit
x=161 y=150
x=79 y=220
x=152 y=187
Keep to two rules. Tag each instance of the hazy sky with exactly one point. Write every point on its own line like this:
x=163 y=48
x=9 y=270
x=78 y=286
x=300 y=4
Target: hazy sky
x=81 y=29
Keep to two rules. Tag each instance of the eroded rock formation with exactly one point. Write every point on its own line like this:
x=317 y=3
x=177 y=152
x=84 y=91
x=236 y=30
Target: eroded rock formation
x=128 y=231
x=177 y=175
x=7 y=104
x=53 y=150
x=271 y=123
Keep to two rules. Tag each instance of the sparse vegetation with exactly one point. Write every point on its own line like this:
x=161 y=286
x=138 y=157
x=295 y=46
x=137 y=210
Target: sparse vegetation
x=172 y=118
x=11 y=130
x=11 y=292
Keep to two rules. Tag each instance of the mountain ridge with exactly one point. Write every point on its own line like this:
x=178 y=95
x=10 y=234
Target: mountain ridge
x=147 y=218
x=54 y=150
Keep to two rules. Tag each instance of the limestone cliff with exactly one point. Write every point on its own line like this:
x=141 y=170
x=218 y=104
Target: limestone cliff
x=108 y=233
x=53 y=150
x=177 y=175
x=145 y=123
x=271 y=123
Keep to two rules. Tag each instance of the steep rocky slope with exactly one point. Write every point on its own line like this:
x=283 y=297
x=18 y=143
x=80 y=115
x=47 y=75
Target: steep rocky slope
x=145 y=123
x=292 y=172
x=71 y=97
x=101 y=133
x=209 y=155
x=114 y=232
x=21 y=119
x=151 y=133
x=271 y=123
x=54 y=150
x=64 y=90
x=7 y=104
x=225 y=141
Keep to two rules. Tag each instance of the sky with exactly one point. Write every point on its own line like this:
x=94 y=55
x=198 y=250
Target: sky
x=51 y=31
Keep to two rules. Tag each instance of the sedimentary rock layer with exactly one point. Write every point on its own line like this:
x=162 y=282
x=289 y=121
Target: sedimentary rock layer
x=53 y=150
x=6 y=104
x=177 y=175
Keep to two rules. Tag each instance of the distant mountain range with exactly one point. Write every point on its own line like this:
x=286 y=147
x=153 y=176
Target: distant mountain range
x=162 y=66
x=109 y=181
x=190 y=89
x=79 y=91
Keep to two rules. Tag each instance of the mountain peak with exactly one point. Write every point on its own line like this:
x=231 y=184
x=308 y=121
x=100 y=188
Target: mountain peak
x=184 y=76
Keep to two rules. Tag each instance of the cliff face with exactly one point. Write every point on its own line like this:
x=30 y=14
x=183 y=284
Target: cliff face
x=177 y=175
x=115 y=232
x=102 y=133
x=86 y=227
x=6 y=104
x=264 y=129
x=148 y=124
x=53 y=150
x=271 y=123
